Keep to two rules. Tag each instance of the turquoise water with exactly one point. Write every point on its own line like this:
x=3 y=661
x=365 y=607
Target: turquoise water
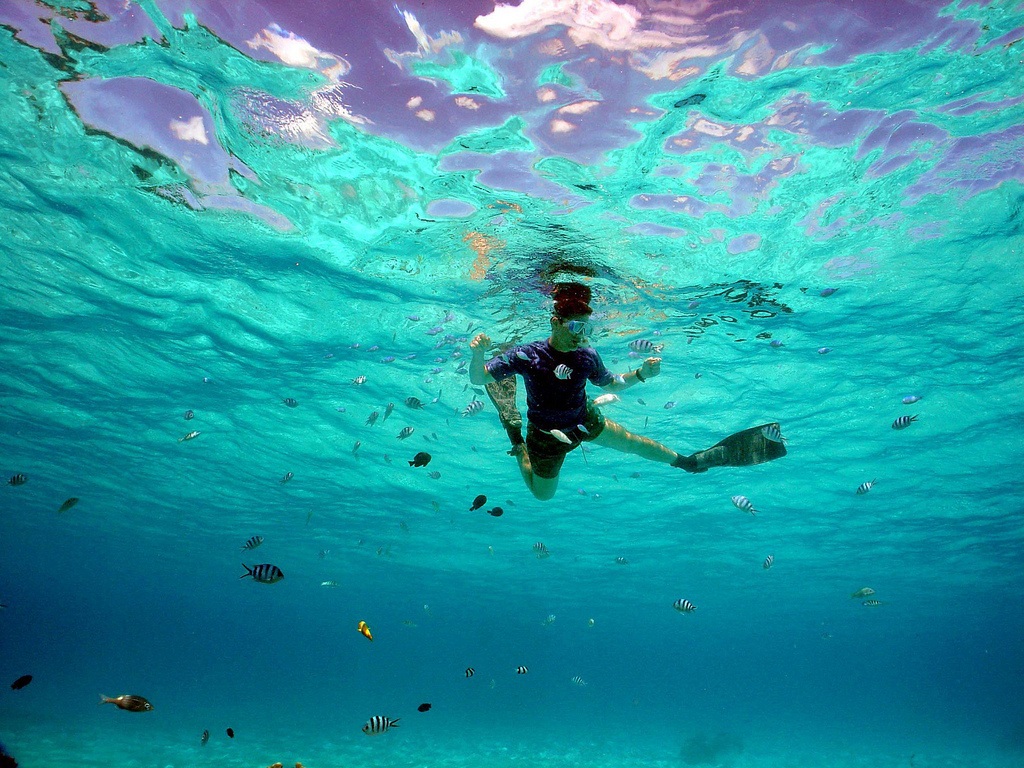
x=213 y=208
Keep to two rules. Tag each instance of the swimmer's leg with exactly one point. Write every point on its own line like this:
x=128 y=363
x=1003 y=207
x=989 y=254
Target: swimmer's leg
x=739 y=450
x=542 y=488
x=503 y=395
x=614 y=435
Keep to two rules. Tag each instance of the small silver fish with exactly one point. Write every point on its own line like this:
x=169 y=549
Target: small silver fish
x=872 y=603
x=606 y=399
x=560 y=436
x=744 y=504
x=773 y=433
x=329 y=583
x=287 y=476
x=189 y=436
x=824 y=350
x=355 y=447
x=863 y=592
x=684 y=606
x=911 y=399
x=577 y=680
x=670 y=404
x=582 y=428
x=865 y=487
x=775 y=343
x=405 y=433
x=359 y=380
x=473 y=408
x=563 y=372
x=903 y=422
x=521 y=354
x=388 y=359
x=827 y=291
x=768 y=561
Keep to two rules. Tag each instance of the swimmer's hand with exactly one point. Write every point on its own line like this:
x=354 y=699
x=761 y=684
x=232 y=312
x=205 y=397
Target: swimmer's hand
x=480 y=343
x=650 y=367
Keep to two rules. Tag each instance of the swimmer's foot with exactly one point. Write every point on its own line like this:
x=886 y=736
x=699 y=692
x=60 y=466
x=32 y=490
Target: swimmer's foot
x=739 y=450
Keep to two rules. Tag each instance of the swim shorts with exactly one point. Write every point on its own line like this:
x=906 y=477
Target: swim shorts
x=547 y=453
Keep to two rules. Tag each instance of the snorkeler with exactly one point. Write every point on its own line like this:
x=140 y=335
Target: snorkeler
x=561 y=416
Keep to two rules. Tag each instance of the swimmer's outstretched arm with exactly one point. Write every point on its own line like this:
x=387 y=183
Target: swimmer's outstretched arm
x=477 y=373
x=648 y=368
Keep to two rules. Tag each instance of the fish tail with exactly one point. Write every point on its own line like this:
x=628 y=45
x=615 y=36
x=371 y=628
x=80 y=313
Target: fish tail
x=394 y=723
x=246 y=574
x=105 y=700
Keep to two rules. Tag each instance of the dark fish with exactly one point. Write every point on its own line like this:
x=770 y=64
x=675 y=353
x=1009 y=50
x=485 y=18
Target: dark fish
x=21 y=682
x=496 y=512
x=189 y=415
x=231 y=733
x=621 y=561
x=690 y=101
x=421 y=459
x=478 y=502
x=387 y=411
x=414 y=402
x=265 y=573
x=128 y=703
x=371 y=419
x=291 y=402
x=379 y=724
x=205 y=738
x=68 y=504
x=287 y=476
x=424 y=707
x=18 y=479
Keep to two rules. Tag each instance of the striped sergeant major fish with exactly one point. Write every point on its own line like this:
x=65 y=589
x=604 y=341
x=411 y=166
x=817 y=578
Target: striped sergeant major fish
x=644 y=345
x=684 y=606
x=264 y=573
x=474 y=407
x=521 y=670
x=577 y=680
x=470 y=671
x=903 y=422
x=379 y=724
x=872 y=603
x=405 y=433
x=190 y=436
x=865 y=487
x=253 y=542
x=744 y=504
x=18 y=479
x=204 y=738
x=541 y=550
x=772 y=433
x=768 y=561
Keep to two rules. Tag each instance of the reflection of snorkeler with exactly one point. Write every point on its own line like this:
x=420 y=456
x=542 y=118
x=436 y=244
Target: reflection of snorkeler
x=560 y=414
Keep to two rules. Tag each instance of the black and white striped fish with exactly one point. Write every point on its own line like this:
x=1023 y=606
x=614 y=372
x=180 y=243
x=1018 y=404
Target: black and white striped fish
x=768 y=562
x=473 y=408
x=872 y=603
x=406 y=431
x=204 y=738
x=18 y=479
x=577 y=680
x=470 y=671
x=291 y=402
x=744 y=504
x=264 y=573
x=521 y=670
x=643 y=345
x=190 y=436
x=865 y=487
x=414 y=402
x=684 y=606
x=287 y=476
x=621 y=561
x=541 y=550
x=563 y=371
x=379 y=724
x=903 y=422
x=253 y=542
x=773 y=433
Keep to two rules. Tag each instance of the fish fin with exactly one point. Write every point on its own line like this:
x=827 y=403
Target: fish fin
x=246 y=574
x=105 y=699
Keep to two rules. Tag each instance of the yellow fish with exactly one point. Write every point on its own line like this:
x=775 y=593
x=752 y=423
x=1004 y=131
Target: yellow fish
x=364 y=630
